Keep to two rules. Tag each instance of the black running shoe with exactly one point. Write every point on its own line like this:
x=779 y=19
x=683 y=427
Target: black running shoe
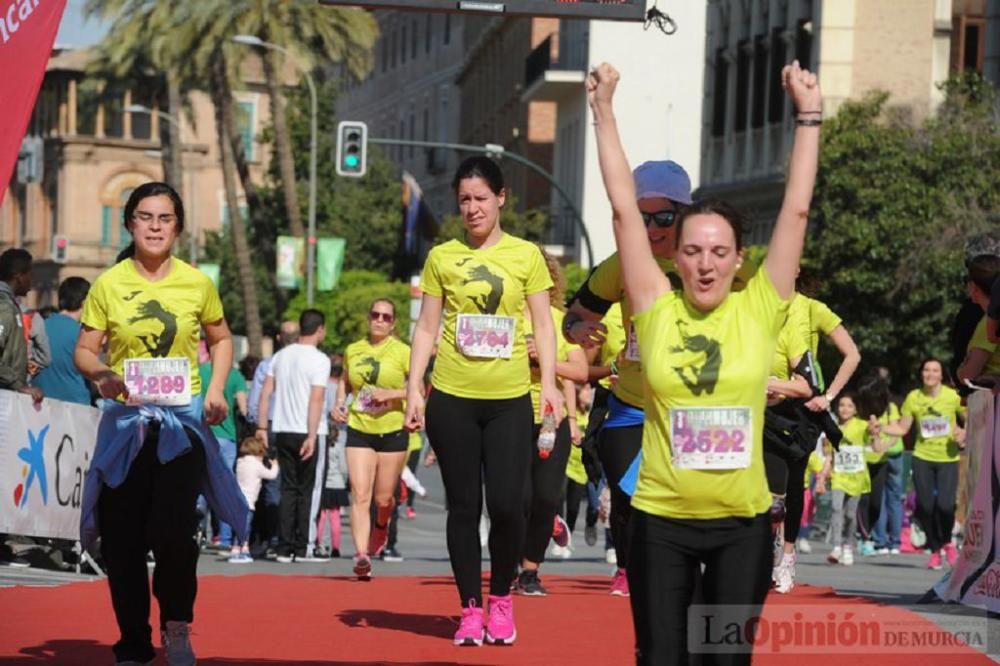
x=529 y=585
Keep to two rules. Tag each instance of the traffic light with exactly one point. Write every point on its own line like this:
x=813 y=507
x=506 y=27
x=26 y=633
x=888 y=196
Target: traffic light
x=352 y=148
x=60 y=249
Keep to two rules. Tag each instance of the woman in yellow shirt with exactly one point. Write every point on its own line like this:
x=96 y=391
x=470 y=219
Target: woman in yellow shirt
x=701 y=496
x=375 y=370
x=937 y=410
x=479 y=414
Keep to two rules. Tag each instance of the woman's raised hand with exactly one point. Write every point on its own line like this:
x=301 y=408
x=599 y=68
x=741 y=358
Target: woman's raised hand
x=601 y=83
x=802 y=87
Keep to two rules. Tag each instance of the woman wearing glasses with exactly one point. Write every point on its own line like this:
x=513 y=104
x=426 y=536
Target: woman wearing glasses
x=153 y=446
x=375 y=371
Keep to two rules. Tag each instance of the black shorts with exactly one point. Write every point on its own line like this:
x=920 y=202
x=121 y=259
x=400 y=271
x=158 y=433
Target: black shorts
x=390 y=442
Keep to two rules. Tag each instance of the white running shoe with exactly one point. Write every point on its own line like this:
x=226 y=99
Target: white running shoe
x=834 y=556
x=804 y=546
x=847 y=559
x=610 y=556
x=784 y=577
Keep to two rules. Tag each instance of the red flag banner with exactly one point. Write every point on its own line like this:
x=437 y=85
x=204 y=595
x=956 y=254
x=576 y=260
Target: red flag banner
x=27 y=31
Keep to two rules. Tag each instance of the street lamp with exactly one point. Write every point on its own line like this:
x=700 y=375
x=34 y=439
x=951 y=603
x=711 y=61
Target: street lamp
x=187 y=193
x=253 y=40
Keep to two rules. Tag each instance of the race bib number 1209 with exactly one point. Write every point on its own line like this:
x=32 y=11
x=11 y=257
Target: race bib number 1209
x=711 y=437
x=485 y=336
x=158 y=381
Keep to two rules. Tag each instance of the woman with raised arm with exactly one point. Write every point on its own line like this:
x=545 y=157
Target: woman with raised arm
x=701 y=496
x=479 y=416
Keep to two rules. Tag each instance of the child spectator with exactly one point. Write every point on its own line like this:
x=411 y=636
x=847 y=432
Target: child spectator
x=251 y=471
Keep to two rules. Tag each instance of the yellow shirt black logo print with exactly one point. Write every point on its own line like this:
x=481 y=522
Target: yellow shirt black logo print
x=699 y=379
x=489 y=302
x=158 y=345
x=371 y=377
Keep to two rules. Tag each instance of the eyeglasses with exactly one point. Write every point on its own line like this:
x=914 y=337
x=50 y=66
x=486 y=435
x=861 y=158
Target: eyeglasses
x=662 y=218
x=147 y=218
x=384 y=316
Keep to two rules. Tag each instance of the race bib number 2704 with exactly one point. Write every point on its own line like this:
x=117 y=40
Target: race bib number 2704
x=485 y=336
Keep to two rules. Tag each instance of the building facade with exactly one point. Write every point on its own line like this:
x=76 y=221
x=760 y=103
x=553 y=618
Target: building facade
x=88 y=152
x=411 y=94
x=905 y=47
x=657 y=104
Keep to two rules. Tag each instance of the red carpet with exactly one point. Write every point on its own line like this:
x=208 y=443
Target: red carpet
x=311 y=621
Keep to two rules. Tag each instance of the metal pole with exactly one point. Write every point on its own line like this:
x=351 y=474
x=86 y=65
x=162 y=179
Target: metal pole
x=311 y=233
x=492 y=149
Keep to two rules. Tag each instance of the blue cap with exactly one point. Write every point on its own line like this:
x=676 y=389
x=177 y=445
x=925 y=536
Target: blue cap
x=666 y=179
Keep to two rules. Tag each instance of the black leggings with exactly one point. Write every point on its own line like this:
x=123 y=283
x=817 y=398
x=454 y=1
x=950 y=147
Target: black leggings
x=936 y=512
x=665 y=560
x=154 y=509
x=871 y=503
x=795 y=498
x=546 y=490
x=574 y=494
x=617 y=448
x=477 y=442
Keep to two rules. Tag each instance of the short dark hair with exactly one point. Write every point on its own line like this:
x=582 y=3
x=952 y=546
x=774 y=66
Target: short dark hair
x=480 y=166
x=13 y=262
x=72 y=293
x=736 y=219
x=310 y=320
x=873 y=395
x=983 y=270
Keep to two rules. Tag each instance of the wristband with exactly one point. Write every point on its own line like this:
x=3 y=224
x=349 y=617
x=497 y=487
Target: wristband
x=259 y=429
x=808 y=123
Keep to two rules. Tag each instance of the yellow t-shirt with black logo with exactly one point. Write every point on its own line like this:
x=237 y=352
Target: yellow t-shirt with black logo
x=493 y=281
x=792 y=344
x=946 y=405
x=852 y=483
x=146 y=319
x=891 y=415
x=614 y=340
x=606 y=282
x=980 y=340
x=694 y=359
x=562 y=353
x=368 y=366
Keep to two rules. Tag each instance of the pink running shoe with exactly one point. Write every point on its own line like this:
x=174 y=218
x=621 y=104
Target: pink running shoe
x=411 y=513
x=500 y=628
x=950 y=553
x=619 y=584
x=560 y=532
x=471 y=628
x=934 y=562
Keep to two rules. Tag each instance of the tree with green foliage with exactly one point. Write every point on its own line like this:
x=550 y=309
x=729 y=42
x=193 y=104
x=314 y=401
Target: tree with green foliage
x=346 y=308
x=894 y=203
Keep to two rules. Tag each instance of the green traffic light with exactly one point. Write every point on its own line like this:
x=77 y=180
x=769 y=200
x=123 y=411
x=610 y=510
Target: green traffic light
x=351 y=161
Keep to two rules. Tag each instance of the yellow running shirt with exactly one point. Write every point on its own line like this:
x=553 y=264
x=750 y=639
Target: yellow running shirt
x=981 y=341
x=717 y=363
x=606 y=283
x=484 y=294
x=146 y=319
x=934 y=419
x=855 y=480
x=368 y=367
x=562 y=353
x=614 y=340
x=793 y=343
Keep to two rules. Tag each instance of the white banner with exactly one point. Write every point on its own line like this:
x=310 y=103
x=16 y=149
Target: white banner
x=44 y=454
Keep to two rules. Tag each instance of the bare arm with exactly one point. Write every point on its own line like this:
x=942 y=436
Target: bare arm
x=241 y=402
x=785 y=248
x=88 y=346
x=265 y=403
x=545 y=344
x=220 y=347
x=424 y=335
x=844 y=343
x=644 y=281
x=317 y=400
x=574 y=368
x=796 y=387
x=972 y=366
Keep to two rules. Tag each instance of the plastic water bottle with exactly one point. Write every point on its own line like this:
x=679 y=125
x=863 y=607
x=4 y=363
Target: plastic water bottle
x=547 y=437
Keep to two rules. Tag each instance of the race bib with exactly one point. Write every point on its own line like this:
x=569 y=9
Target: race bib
x=158 y=381
x=366 y=404
x=485 y=336
x=849 y=459
x=711 y=437
x=935 y=426
x=632 y=346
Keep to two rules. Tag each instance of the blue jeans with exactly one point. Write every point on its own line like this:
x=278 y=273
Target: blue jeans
x=246 y=544
x=228 y=449
x=891 y=516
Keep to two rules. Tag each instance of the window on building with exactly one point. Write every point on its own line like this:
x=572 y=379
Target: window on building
x=246 y=119
x=719 y=92
x=759 y=103
x=427 y=35
x=392 y=48
x=113 y=231
x=402 y=45
x=742 y=85
x=972 y=47
x=142 y=123
x=803 y=44
x=385 y=53
x=776 y=94
x=427 y=123
x=114 y=117
x=413 y=40
x=447 y=28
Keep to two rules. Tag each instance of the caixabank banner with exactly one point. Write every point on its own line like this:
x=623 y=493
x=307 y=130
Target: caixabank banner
x=45 y=452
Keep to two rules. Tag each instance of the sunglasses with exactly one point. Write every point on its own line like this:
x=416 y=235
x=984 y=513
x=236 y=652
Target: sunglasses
x=662 y=218
x=384 y=316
